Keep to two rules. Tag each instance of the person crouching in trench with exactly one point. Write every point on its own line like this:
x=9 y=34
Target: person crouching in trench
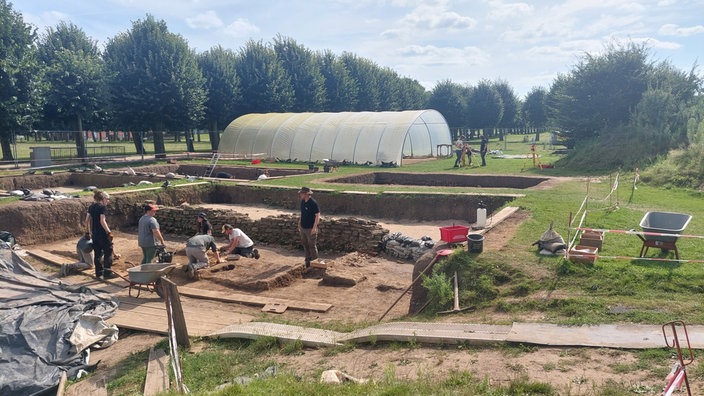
x=196 y=251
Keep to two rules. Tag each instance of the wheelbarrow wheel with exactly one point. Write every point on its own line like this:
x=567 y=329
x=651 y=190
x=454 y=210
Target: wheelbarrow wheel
x=159 y=288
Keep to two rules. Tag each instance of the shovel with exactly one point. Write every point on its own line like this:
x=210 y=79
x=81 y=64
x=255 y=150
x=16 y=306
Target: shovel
x=457 y=301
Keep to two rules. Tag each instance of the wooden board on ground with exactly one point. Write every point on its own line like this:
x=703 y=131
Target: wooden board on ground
x=252 y=300
x=496 y=218
x=50 y=257
x=274 y=308
x=149 y=314
x=157 y=380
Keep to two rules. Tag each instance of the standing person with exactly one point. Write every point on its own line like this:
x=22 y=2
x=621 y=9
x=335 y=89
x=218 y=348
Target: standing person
x=204 y=226
x=240 y=243
x=483 y=149
x=149 y=233
x=459 y=146
x=196 y=251
x=466 y=155
x=97 y=226
x=308 y=224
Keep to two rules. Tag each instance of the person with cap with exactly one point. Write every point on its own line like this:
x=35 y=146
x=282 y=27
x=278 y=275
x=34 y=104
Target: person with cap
x=240 y=243
x=204 y=226
x=148 y=233
x=197 y=252
x=97 y=226
x=308 y=224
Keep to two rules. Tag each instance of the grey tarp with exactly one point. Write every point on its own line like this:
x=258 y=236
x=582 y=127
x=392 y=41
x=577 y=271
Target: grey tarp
x=37 y=316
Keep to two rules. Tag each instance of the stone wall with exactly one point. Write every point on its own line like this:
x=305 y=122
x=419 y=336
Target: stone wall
x=339 y=235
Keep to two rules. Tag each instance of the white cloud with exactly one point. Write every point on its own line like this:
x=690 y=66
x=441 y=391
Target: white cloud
x=501 y=11
x=241 y=28
x=674 y=30
x=205 y=20
x=431 y=55
x=436 y=17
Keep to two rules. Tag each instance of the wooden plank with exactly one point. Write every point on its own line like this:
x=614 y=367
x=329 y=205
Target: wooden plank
x=253 y=300
x=150 y=315
x=274 y=308
x=174 y=312
x=62 y=384
x=157 y=380
x=496 y=219
x=51 y=258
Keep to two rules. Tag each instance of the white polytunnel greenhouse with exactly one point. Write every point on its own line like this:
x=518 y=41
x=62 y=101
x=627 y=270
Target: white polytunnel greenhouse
x=378 y=138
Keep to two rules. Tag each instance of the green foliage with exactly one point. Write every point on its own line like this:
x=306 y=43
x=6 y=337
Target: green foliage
x=21 y=77
x=485 y=107
x=154 y=80
x=303 y=71
x=223 y=85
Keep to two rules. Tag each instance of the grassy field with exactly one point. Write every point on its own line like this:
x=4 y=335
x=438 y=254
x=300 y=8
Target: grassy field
x=511 y=284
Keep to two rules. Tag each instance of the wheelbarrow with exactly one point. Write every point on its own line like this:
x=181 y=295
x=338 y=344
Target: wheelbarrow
x=661 y=230
x=149 y=277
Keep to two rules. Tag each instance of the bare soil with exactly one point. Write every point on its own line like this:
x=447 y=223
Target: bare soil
x=380 y=280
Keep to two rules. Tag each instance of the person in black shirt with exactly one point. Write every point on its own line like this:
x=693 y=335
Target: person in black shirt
x=483 y=149
x=204 y=226
x=97 y=226
x=308 y=224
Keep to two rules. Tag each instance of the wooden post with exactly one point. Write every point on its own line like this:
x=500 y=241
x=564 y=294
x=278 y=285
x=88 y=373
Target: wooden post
x=174 y=312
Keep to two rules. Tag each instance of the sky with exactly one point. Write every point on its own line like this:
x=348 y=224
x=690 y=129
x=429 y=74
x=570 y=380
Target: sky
x=524 y=43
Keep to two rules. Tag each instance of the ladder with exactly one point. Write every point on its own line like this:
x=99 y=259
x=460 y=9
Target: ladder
x=211 y=166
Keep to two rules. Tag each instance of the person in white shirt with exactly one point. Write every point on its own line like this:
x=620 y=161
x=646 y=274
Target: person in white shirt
x=240 y=243
x=264 y=175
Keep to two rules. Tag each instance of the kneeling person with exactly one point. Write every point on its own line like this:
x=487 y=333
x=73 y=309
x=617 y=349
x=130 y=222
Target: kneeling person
x=196 y=250
x=84 y=250
x=240 y=243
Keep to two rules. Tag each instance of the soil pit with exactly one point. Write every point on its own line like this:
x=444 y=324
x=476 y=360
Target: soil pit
x=442 y=180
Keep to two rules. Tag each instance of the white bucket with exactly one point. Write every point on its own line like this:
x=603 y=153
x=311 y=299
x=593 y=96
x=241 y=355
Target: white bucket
x=481 y=218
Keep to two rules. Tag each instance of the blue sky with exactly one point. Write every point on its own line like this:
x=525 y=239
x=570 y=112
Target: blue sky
x=524 y=43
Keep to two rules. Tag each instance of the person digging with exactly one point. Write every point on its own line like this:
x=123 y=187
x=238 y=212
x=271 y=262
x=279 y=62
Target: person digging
x=197 y=252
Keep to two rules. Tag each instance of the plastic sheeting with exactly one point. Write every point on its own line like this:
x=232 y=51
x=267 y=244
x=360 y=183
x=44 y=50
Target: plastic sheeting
x=37 y=318
x=363 y=137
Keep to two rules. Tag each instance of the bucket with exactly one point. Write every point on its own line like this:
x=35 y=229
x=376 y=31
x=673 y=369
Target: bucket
x=475 y=243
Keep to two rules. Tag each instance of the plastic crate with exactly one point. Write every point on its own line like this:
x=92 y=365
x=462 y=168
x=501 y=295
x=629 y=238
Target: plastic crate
x=454 y=234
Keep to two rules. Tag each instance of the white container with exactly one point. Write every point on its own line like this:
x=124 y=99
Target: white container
x=481 y=218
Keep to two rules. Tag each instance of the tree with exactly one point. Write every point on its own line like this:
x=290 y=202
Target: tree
x=447 y=98
x=340 y=89
x=265 y=85
x=365 y=74
x=510 y=104
x=413 y=95
x=223 y=85
x=534 y=110
x=154 y=81
x=484 y=106
x=21 y=85
x=600 y=92
x=74 y=70
x=306 y=79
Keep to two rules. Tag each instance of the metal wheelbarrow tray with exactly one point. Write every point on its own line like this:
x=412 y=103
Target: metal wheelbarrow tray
x=662 y=223
x=148 y=275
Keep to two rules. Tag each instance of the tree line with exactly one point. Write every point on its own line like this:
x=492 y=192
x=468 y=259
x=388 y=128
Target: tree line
x=148 y=80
